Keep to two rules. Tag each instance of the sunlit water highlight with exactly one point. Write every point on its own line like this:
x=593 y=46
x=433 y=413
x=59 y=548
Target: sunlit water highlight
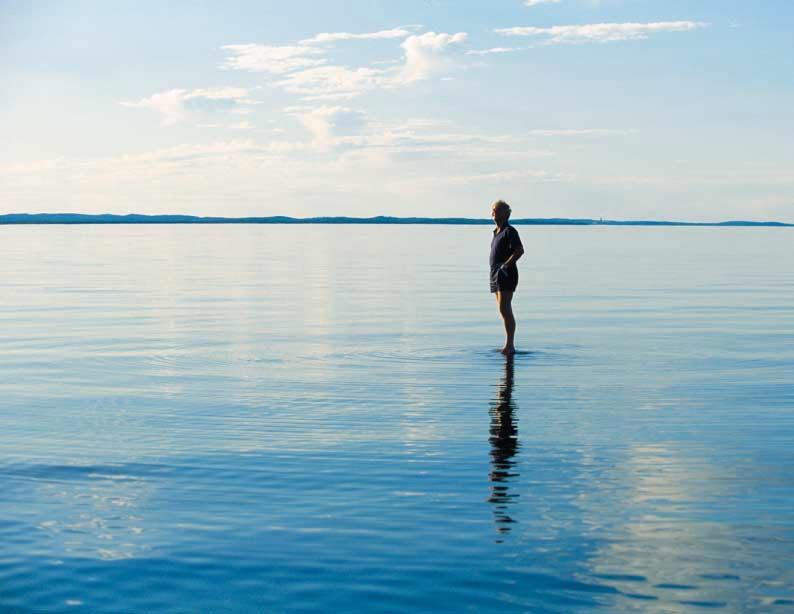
x=278 y=418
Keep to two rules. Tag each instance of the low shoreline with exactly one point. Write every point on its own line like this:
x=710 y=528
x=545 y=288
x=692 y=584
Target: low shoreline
x=79 y=218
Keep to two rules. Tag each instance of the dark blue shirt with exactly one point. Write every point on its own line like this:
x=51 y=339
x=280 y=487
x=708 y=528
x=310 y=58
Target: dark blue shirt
x=503 y=244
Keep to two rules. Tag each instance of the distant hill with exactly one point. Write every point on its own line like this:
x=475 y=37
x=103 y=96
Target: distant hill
x=134 y=218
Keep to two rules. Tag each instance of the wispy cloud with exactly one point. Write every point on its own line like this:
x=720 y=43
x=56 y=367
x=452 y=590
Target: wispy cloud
x=492 y=50
x=304 y=70
x=539 y=2
x=601 y=32
x=510 y=176
x=271 y=59
x=175 y=160
x=349 y=161
x=176 y=104
x=331 y=37
x=328 y=123
x=334 y=82
x=574 y=132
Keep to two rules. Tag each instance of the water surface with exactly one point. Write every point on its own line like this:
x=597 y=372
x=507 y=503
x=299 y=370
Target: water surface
x=285 y=418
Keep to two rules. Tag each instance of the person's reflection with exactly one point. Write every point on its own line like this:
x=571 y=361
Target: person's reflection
x=504 y=445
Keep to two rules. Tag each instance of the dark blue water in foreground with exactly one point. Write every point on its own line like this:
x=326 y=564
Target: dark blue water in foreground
x=275 y=418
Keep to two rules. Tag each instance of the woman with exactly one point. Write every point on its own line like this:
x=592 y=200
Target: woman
x=506 y=249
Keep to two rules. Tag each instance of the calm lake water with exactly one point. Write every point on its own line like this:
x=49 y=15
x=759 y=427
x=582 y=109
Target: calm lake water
x=293 y=418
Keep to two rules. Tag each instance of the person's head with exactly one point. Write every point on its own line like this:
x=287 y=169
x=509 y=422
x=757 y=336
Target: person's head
x=500 y=212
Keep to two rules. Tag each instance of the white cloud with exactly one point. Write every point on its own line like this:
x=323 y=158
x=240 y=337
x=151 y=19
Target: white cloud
x=492 y=50
x=601 y=32
x=176 y=104
x=303 y=73
x=168 y=103
x=570 y=132
x=539 y=2
x=424 y=54
x=327 y=123
x=280 y=59
x=272 y=59
x=331 y=37
x=219 y=93
x=334 y=82
x=510 y=176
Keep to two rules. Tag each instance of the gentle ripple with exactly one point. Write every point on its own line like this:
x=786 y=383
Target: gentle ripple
x=281 y=418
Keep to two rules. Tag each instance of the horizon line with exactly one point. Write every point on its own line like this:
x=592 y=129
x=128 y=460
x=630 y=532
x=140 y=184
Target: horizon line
x=167 y=218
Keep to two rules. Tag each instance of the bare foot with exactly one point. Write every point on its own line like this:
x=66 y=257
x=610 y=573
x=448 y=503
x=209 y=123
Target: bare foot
x=508 y=350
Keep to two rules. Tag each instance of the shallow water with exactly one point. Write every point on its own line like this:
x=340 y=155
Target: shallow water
x=286 y=418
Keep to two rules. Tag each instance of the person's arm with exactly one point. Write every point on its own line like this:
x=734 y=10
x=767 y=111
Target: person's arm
x=518 y=250
x=514 y=256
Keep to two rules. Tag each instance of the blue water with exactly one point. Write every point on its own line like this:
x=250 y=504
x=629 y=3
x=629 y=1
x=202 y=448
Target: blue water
x=293 y=418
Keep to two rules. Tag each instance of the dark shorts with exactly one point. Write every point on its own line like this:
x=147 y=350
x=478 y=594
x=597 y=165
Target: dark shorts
x=506 y=281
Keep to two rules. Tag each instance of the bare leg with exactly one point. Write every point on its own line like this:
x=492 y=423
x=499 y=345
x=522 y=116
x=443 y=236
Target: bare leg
x=504 y=301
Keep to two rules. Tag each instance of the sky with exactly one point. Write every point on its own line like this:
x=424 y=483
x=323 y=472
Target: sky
x=615 y=109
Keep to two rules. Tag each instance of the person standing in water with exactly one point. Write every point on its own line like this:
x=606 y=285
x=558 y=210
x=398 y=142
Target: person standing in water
x=506 y=249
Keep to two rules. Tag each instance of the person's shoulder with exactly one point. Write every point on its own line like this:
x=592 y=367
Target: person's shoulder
x=515 y=238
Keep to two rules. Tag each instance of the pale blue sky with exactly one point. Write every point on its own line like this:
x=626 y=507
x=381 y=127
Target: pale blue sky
x=629 y=109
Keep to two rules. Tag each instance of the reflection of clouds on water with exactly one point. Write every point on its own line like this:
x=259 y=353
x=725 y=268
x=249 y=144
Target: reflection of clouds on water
x=94 y=511
x=504 y=445
x=680 y=538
